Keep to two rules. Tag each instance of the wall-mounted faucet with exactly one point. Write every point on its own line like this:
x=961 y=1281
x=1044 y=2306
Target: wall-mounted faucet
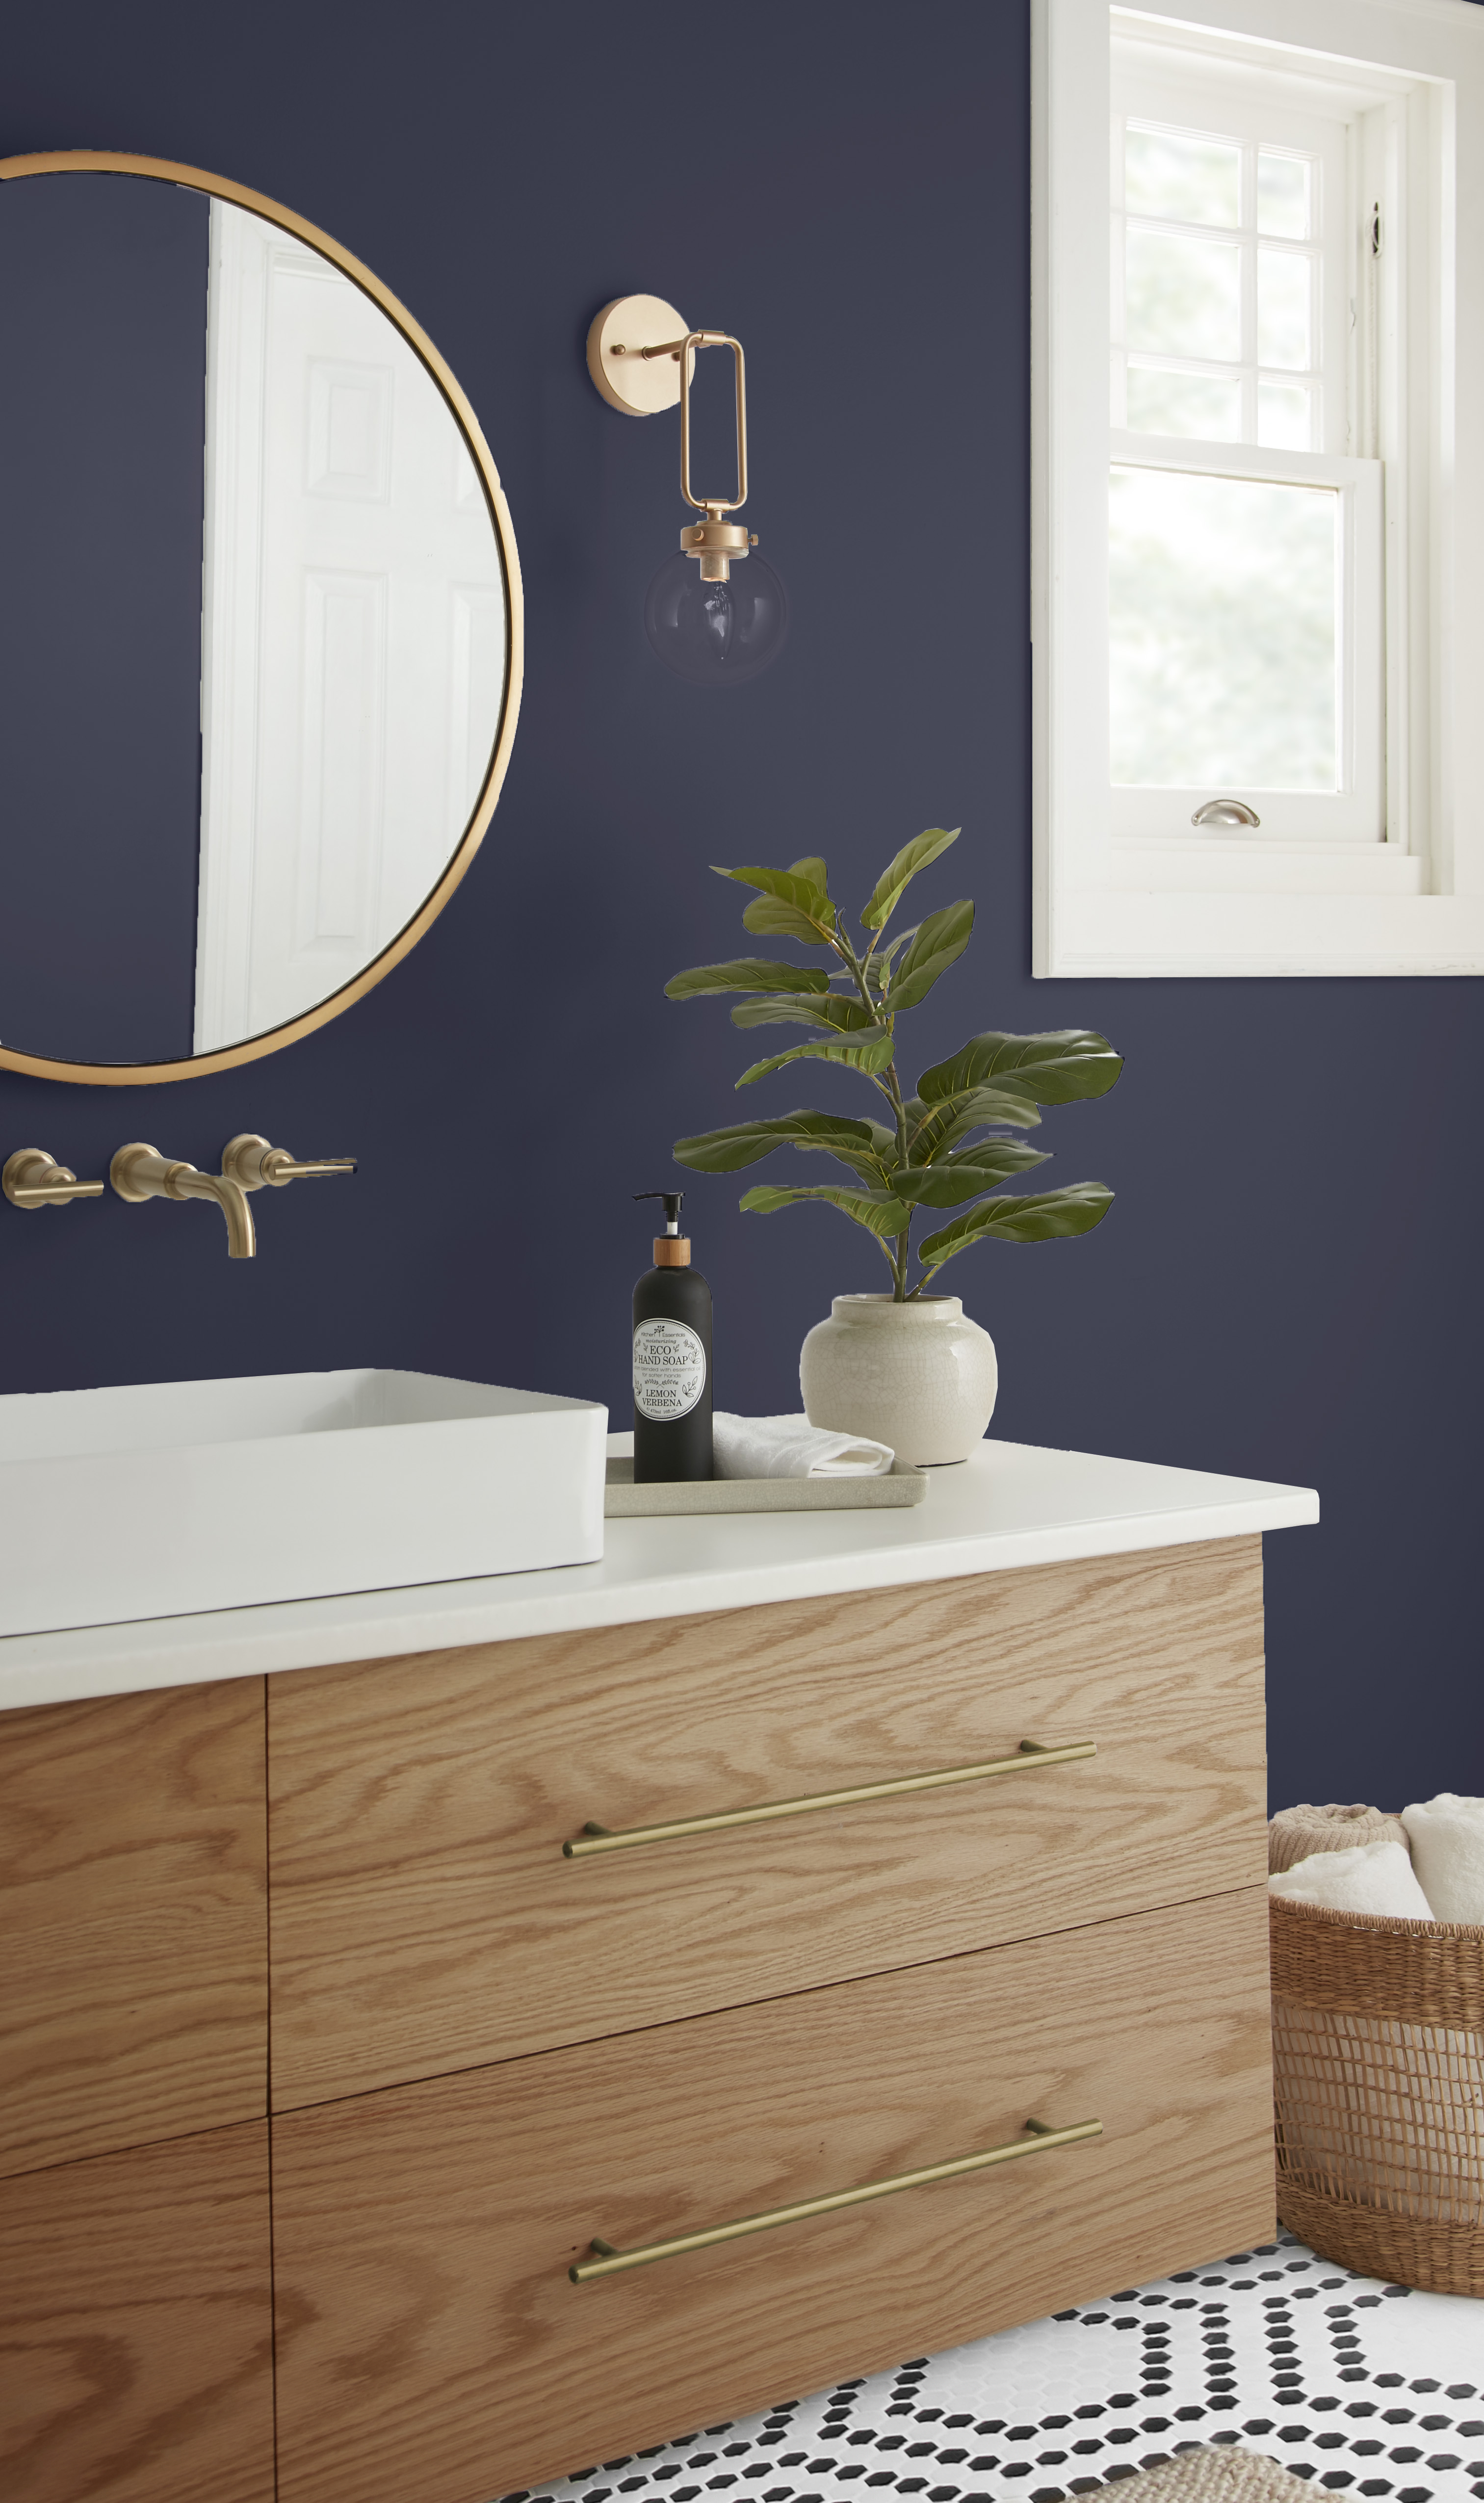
x=33 y=1179
x=139 y=1172
x=247 y=1163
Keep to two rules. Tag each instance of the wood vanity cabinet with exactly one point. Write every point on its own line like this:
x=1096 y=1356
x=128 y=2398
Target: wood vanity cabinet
x=135 y=2267
x=133 y=1920
x=136 y=2325
x=485 y=2054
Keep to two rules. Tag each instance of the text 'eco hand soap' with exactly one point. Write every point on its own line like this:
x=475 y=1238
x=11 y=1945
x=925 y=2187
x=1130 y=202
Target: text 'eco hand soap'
x=671 y=1360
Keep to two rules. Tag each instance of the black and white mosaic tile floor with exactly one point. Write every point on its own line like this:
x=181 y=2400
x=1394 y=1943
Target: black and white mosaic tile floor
x=1362 y=2387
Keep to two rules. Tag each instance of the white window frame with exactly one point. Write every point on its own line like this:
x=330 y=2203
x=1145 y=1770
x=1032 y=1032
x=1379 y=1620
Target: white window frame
x=1108 y=901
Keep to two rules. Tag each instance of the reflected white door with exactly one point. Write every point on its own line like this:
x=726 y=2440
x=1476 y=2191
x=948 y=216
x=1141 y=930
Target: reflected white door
x=353 y=634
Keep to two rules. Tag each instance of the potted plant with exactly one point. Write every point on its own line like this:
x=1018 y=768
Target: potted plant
x=906 y=1367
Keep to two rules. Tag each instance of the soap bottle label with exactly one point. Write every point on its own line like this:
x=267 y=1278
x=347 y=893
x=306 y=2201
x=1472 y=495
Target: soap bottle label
x=668 y=1370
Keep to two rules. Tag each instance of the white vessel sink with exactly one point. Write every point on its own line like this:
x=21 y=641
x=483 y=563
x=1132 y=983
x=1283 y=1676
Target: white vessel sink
x=168 y=1498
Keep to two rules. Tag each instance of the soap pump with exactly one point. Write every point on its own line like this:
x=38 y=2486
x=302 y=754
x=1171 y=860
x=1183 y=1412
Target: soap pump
x=672 y=1358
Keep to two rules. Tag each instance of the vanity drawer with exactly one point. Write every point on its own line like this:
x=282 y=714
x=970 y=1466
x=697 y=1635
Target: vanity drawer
x=424 y=1918
x=433 y=2350
x=133 y=1920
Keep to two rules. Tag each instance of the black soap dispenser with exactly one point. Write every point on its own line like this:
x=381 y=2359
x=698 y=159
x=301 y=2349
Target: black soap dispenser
x=672 y=1358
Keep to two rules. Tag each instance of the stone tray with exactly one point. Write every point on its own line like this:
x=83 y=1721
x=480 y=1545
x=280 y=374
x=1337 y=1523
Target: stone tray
x=623 y=1500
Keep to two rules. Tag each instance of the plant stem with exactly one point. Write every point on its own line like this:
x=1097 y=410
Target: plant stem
x=904 y=1239
x=890 y=1088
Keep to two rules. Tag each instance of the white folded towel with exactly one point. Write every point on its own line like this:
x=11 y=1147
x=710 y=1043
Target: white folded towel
x=790 y=1447
x=1376 y=1877
x=1447 y=1837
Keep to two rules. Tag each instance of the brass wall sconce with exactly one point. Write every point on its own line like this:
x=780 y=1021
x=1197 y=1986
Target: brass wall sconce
x=708 y=624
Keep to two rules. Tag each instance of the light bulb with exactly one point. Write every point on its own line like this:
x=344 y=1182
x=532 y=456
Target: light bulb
x=717 y=634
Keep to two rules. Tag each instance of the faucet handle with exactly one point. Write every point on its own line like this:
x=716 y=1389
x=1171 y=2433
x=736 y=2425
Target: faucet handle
x=249 y=1161
x=33 y=1179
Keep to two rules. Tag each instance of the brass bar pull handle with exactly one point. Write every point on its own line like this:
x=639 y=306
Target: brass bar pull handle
x=594 y=1838
x=611 y=2263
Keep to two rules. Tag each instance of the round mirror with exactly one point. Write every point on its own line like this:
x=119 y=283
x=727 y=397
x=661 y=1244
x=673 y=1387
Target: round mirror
x=260 y=620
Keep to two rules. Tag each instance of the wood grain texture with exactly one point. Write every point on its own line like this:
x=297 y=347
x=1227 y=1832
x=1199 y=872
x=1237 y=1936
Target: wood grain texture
x=135 y=2326
x=432 y=2349
x=424 y=1919
x=133 y=1920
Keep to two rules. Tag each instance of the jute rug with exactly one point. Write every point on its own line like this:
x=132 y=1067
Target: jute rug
x=1220 y=2474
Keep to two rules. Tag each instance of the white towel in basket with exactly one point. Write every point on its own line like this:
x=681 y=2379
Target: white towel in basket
x=1374 y=1877
x=790 y=1447
x=1447 y=1837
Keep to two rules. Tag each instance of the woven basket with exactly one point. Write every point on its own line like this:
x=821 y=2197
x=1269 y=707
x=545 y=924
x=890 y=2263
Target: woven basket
x=1378 y=2080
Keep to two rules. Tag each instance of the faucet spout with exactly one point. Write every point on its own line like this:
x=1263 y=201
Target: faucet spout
x=185 y=1183
x=139 y=1172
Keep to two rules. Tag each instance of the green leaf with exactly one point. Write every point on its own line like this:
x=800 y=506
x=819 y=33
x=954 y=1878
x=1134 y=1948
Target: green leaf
x=768 y=916
x=959 y=1177
x=912 y=857
x=728 y=1150
x=744 y=973
x=871 y=1054
x=1062 y=1068
x=876 y=1210
x=934 y=1128
x=789 y=906
x=938 y=943
x=834 y=1008
x=1040 y=1218
x=812 y=867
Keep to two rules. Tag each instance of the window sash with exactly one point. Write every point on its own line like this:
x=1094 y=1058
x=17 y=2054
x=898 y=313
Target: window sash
x=1356 y=812
x=1176 y=97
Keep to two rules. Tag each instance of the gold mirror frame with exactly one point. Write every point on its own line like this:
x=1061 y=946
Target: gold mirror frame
x=154 y=1072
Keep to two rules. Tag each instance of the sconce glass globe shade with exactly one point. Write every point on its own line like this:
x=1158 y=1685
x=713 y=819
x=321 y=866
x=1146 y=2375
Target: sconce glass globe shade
x=717 y=634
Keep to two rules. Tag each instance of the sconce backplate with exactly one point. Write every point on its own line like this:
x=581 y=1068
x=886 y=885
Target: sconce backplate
x=618 y=335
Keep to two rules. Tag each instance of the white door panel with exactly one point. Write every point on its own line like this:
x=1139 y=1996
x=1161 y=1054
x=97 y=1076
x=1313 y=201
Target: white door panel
x=351 y=562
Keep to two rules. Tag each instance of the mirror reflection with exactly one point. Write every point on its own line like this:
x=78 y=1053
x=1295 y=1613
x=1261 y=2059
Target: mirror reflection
x=255 y=628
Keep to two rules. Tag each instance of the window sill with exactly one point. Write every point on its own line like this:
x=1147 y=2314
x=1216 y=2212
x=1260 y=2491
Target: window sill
x=1144 y=932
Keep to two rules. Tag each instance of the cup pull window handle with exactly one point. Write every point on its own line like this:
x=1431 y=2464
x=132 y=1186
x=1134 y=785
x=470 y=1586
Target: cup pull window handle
x=596 y=1838
x=608 y=2262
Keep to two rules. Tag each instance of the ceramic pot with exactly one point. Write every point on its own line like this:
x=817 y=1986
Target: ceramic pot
x=917 y=1375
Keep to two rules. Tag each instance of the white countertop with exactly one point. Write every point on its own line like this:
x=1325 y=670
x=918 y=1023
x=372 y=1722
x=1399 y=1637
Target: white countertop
x=1011 y=1504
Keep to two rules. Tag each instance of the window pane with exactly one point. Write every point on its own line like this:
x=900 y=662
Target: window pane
x=1184 y=297
x=1193 y=181
x=1184 y=405
x=1282 y=308
x=1283 y=195
x=1286 y=417
x=1222 y=633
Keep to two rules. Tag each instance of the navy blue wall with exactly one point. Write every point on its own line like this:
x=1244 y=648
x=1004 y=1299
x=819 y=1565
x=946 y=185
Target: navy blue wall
x=102 y=432
x=1288 y=1286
